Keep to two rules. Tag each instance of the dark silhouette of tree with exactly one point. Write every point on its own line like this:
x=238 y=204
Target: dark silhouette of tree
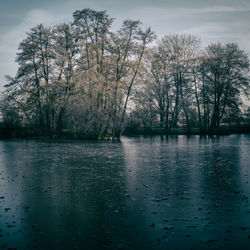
x=82 y=77
x=225 y=70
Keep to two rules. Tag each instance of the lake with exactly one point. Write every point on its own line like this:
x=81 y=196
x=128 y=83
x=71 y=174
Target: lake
x=180 y=192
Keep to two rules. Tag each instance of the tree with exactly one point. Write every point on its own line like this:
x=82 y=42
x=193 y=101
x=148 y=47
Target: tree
x=109 y=64
x=158 y=85
x=181 y=50
x=83 y=77
x=169 y=68
x=143 y=39
x=30 y=88
x=226 y=69
x=66 y=50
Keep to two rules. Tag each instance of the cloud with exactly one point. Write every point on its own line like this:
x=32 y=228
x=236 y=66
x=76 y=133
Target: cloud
x=211 y=24
x=237 y=32
x=12 y=38
x=213 y=9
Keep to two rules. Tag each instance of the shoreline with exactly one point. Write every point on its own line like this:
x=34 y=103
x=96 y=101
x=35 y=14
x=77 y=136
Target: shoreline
x=26 y=133
x=110 y=139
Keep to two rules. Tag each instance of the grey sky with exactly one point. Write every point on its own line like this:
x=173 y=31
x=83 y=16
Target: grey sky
x=211 y=20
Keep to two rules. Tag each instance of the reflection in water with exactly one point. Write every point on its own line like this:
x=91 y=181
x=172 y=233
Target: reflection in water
x=143 y=193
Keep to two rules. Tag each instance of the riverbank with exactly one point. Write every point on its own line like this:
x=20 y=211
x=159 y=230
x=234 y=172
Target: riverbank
x=223 y=130
x=25 y=133
x=6 y=133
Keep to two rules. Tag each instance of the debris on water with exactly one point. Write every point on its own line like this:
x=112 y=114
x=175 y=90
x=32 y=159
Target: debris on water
x=120 y=246
x=7 y=209
x=236 y=191
x=168 y=227
x=243 y=228
x=10 y=226
x=156 y=200
x=152 y=225
x=212 y=240
x=192 y=226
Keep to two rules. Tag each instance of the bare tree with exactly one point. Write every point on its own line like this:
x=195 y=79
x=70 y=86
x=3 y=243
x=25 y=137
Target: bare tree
x=226 y=69
x=180 y=51
x=83 y=77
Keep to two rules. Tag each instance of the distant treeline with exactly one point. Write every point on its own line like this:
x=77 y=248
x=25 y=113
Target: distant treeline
x=84 y=78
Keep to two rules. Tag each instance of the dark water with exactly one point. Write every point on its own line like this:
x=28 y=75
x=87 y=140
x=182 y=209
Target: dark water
x=143 y=193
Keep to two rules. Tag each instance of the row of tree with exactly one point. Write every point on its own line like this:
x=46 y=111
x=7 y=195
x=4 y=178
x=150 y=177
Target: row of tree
x=85 y=78
x=192 y=86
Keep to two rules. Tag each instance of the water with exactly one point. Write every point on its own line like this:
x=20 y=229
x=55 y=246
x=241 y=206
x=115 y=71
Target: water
x=143 y=193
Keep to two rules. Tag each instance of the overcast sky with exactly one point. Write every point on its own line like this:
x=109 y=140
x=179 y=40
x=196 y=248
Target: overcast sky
x=211 y=20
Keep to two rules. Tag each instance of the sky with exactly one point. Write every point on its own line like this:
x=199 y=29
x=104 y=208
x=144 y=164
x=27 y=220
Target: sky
x=211 y=20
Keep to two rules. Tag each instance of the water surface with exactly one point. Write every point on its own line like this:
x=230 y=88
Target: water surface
x=143 y=193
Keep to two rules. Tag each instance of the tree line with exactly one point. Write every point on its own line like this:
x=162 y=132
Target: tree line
x=85 y=78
